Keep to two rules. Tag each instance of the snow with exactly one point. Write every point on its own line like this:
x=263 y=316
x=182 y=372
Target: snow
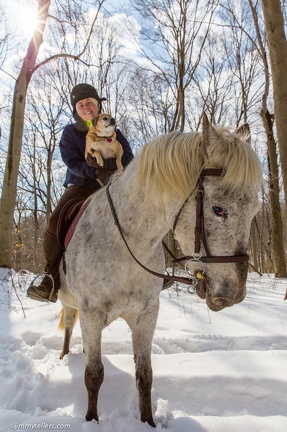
x=213 y=371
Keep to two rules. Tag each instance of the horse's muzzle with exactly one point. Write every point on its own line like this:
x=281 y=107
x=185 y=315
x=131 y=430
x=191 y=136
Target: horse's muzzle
x=218 y=302
x=224 y=296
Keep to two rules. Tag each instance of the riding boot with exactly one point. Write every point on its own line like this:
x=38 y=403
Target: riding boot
x=47 y=290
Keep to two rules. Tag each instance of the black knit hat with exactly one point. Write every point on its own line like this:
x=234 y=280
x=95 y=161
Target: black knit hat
x=84 y=91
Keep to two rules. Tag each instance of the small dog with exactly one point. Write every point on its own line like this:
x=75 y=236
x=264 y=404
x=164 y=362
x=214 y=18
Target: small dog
x=101 y=141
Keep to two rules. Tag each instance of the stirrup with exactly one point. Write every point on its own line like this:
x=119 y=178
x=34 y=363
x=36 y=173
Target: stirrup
x=33 y=294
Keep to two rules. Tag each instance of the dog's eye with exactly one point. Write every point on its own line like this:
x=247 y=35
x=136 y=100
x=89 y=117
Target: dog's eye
x=105 y=118
x=220 y=212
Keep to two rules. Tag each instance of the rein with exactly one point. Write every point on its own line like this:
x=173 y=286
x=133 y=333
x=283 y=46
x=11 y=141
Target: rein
x=198 y=231
x=185 y=280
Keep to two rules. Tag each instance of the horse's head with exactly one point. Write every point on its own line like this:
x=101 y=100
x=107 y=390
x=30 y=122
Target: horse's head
x=227 y=220
x=169 y=167
x=229 y=203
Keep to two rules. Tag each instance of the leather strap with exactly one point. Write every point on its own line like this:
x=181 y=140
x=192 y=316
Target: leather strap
x=185 y=280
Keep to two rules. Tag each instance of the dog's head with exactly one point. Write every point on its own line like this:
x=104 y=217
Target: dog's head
x=105 y=125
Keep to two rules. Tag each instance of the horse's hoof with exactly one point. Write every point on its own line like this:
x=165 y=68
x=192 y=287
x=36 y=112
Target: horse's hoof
x=62 y=355
x=90 y=417
x=149 y=421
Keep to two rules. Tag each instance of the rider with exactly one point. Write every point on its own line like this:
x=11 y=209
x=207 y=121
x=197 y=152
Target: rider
x=81 y=180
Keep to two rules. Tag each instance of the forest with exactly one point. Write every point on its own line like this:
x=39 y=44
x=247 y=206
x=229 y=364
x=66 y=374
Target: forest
x=160 y=64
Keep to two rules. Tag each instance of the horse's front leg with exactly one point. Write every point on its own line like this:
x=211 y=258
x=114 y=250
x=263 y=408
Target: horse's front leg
x=142 y=333
x=94 y=376
x=94 y=372
x=144 y=385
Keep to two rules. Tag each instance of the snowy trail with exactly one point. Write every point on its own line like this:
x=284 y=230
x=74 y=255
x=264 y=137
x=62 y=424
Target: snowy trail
x=216 y=372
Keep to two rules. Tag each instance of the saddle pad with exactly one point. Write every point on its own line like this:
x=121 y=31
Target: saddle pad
x=73 y=225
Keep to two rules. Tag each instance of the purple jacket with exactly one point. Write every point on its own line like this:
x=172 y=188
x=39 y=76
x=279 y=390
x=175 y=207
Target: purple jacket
x=72 y=147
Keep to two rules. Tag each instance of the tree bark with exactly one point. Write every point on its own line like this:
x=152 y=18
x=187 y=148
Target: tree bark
x=273 y=170
x=277 y=44
x=276 y=219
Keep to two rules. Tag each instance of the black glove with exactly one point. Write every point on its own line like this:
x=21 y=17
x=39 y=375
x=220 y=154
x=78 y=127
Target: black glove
x=92 y=161
x=103 y=174
x=109 y=164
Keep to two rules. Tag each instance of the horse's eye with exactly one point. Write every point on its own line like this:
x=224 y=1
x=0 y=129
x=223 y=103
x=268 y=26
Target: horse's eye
x=220 y=212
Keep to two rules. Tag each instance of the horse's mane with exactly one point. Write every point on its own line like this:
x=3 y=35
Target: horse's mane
x=170 y=164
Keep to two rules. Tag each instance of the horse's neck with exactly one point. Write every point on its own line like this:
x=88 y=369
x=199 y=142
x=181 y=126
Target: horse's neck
x=144 y=220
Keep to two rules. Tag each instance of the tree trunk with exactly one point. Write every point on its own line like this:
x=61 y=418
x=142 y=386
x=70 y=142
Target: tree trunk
x=274 y=28
x=254 y=246
x=9 y=190
x=273 y=171
x=276 y=219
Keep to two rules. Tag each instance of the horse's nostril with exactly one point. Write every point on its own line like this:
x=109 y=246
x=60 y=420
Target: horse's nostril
x=222 y=302
x=218 y=303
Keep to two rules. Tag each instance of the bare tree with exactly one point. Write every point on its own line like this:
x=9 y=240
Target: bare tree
x=149 y=115
x=29 y=66
x=243 y=59
x=8 y=197
x=176 y=33
x=4 y=36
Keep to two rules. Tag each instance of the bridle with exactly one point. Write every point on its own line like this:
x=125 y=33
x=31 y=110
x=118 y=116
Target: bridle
x=198 y=231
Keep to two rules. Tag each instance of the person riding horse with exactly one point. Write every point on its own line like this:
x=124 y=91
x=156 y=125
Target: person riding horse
x=81 y=181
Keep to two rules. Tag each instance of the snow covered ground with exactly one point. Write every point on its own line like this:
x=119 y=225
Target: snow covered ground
x=215 y=372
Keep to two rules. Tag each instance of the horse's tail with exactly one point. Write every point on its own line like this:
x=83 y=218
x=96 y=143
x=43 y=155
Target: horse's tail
x=61 y=325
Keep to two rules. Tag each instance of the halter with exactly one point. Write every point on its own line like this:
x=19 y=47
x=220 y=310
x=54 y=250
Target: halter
x=198 y=231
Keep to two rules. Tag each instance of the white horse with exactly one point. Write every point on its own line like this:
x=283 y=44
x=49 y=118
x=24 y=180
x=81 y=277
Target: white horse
x=104 y=281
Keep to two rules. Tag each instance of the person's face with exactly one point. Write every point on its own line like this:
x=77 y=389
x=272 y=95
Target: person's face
x=87 y=110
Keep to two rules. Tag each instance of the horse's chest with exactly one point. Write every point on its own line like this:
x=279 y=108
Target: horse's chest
x=129 y=307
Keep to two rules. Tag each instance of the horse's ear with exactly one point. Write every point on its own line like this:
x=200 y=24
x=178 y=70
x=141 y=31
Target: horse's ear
x=208 y=131
x=205 y=130
x=244 y=131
